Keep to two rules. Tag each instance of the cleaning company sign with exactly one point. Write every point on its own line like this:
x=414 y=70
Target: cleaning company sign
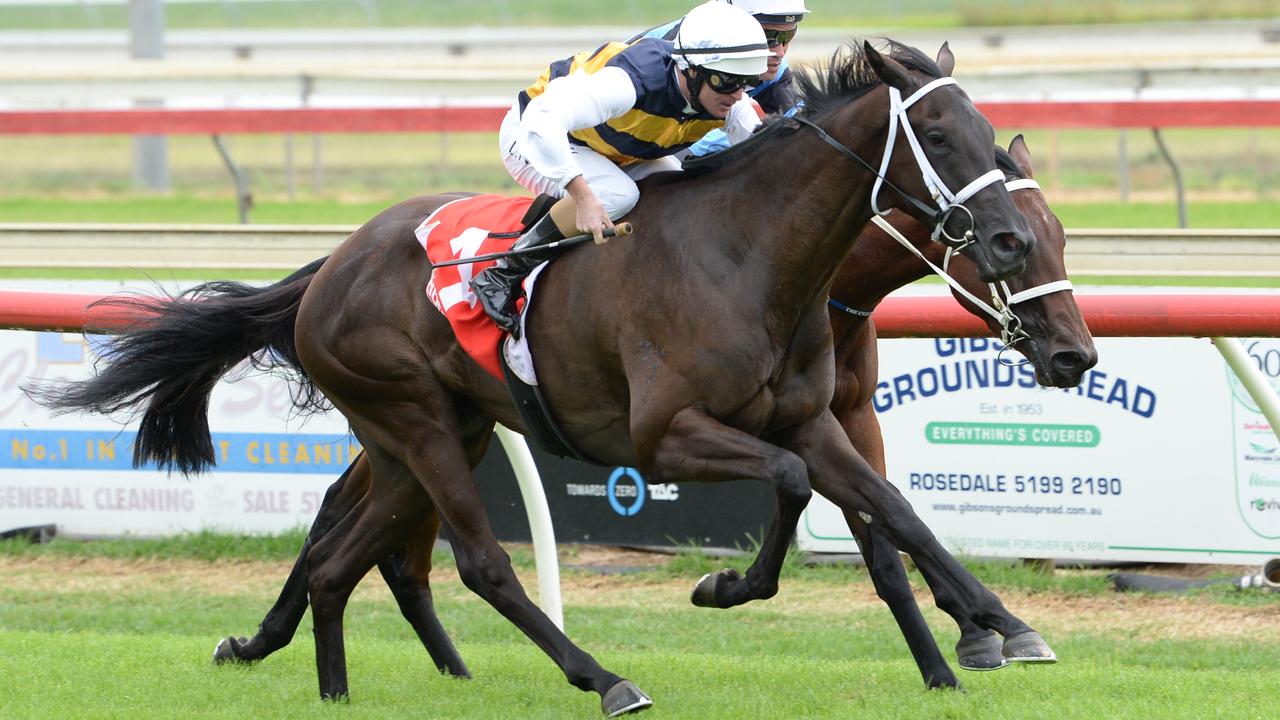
x=76 y=471
x=1157 y=455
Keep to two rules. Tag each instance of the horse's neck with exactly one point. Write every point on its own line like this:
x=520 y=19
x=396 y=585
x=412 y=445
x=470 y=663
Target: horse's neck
x=826 y=199
x=878 y=264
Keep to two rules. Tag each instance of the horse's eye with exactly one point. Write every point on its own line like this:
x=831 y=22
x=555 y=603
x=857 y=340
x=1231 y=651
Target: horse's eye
x=936 y=138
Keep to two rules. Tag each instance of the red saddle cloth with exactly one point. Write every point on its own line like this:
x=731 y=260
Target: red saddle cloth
x=463 y=229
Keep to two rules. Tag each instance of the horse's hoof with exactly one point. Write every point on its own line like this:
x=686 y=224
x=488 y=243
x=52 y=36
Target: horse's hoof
x=704 y=593
x=1028 y=647
x=624 y=698
x=229 y=651
x=951 y=684
x=981 y=654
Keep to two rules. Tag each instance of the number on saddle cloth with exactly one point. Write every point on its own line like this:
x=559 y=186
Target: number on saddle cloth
x=460 y=230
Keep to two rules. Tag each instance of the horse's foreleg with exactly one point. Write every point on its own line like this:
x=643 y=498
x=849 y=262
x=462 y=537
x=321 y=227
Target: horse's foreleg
x=979 y=648
x=434 y=452
x=378 y=525
x=281 y=622
x=407 y=574
x=840 y=474
x=892 y=586
x=695 y=446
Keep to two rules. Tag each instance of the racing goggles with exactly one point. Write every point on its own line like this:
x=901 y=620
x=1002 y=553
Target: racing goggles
x=779 y=37
x=728 y=83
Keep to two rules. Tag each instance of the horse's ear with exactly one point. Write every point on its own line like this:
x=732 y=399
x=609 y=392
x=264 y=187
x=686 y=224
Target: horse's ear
x=946 y=59
x=887 y=69
x=1021 y=154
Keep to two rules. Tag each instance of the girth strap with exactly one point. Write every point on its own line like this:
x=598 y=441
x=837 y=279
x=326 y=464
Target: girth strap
x=541 y=424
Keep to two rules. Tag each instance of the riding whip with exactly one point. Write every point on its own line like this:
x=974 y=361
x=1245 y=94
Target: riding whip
x=620 y=230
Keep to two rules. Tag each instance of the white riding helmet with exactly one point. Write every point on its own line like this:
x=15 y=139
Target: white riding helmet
x=721 y=37
x=773 y=12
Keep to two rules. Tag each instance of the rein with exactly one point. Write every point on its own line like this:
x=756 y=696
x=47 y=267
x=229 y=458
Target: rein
x=1000 y=308
x=1002 y=299
x=942 y=195
x=947 y=202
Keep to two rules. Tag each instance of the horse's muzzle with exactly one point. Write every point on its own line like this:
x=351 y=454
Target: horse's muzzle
x=1007 y=255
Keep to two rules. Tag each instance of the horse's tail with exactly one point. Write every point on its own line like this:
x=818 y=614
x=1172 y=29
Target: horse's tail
x=170 y=359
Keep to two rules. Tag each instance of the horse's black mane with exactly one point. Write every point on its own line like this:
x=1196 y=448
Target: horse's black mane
x=848 y=75
x=841 y=80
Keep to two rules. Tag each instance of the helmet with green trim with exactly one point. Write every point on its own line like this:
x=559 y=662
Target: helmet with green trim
x=773 y=12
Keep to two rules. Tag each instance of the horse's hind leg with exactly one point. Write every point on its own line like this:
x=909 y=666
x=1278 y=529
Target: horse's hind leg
x=486 y=570
x=281 y=622
x=429 y=440
x=407 y=574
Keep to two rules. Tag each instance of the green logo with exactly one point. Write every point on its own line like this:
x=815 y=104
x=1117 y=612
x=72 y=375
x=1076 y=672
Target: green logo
x=1036 y=434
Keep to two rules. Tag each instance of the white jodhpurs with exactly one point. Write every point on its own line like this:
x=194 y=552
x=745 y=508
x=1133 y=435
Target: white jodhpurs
x=614 y=185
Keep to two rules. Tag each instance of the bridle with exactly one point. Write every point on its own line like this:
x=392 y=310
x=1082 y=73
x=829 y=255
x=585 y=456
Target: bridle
x=947 y=202
x=1002 y=299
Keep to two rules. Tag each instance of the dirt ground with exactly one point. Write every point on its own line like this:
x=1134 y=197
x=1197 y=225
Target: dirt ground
x=598 y=576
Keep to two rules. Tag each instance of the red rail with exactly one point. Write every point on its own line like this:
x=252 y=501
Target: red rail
x=1133 y=114
x=1016 y=115
x=1189 y=315
x=213 y=122
x=20 y=310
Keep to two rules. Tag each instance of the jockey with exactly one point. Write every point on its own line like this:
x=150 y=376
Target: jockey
x=595 y=123
x=780 y=20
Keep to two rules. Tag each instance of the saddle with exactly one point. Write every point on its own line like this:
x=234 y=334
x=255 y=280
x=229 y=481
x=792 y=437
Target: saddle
x=480 y=225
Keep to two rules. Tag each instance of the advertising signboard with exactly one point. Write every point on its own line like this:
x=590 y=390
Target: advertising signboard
x=1158 y=455
x=75 y=471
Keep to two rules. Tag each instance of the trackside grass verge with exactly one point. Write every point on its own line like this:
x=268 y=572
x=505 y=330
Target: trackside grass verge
x=828 y=13
x=687 y=563
x=190 y=209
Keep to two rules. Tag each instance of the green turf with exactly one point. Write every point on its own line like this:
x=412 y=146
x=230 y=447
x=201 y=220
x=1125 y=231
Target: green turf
x=93 y=673
x=1200 y=214
x=192 y=209
x=185 y=209
x=204 y=545
x=141 y=652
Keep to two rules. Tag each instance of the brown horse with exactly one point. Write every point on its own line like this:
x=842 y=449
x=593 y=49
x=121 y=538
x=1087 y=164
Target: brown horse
x=1057 y=343
x=701 y=349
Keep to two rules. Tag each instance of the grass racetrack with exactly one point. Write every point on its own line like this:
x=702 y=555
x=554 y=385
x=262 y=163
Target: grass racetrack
x=105 y=634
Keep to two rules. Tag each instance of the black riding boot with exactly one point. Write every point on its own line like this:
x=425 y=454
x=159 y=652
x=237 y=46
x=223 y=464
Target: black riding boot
x=498 y=287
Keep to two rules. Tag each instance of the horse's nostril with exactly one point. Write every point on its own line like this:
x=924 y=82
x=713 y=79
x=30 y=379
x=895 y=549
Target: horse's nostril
x=1071 y=362
x=1013 y=245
